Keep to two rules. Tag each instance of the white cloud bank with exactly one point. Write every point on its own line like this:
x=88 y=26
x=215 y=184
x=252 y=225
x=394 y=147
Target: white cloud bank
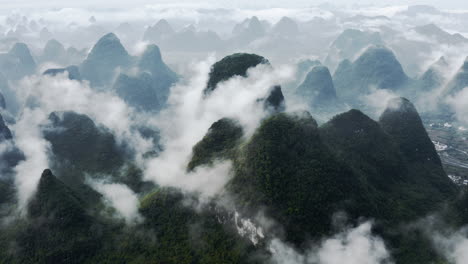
x=354 y=246
x=190 y=115
x=120 y=197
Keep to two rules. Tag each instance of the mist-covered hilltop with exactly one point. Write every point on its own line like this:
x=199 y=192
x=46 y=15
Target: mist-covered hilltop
x=194 y=134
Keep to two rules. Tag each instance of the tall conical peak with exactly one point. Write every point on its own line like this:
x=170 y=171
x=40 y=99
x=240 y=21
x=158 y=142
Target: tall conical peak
x=400 y=104
x=19 y=49
x=163 y=27
x=109 y=37
x=162 y=23
x=53 y=43
x=275 y=100
x=46 y=177
x=378 y=50
x=233 y=65
x=109 y=43
x=442 y=61
x=254 y=20
x=318 y=85
x=286 y=26
x=353 y=114
x=152 y=52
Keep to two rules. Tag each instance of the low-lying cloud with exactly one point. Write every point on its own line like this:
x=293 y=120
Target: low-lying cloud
x=190 y=114
x=41 y=95
x=120 y=197
x=353 y=246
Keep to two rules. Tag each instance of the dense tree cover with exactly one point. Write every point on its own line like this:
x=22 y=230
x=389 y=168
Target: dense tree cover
x=376 y=157
x=76 y=140
x=402 y=121
x=303 y=174
x=367 y=149
x=59 y=228
x=80 y=149
x=5 y=133
x=62 y=227
x=7 y=193
x=233 y=65
x=286 y=167
x=219 y=143
x=10 y=155
x=300 y=174
x=457 y=212
x=275 y=100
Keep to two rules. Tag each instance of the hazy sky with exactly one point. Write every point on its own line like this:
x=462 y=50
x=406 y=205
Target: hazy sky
x=5 y=4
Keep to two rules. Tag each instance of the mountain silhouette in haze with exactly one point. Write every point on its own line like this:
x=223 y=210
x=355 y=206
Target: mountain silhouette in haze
x=105 y=58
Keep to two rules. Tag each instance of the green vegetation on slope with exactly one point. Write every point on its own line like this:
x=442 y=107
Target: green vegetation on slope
x=218 y=143
x=230 y=66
